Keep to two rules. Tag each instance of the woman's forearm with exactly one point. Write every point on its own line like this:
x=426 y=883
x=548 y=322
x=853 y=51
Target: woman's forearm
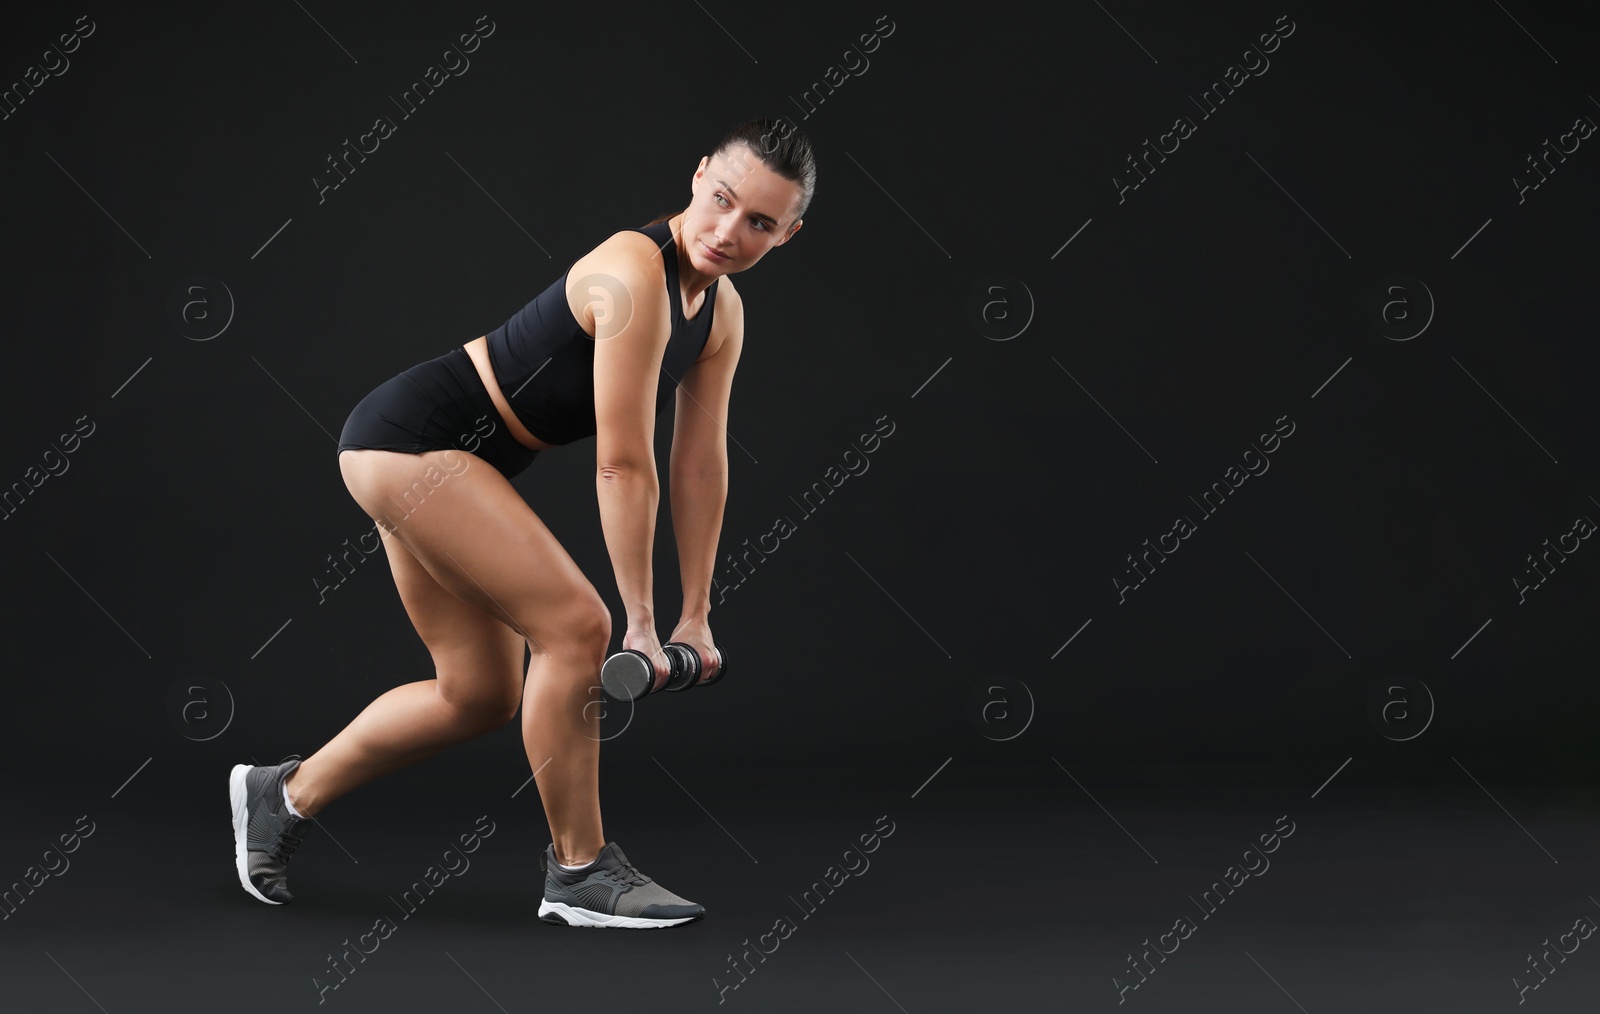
x=699 y=491
x=628 y=499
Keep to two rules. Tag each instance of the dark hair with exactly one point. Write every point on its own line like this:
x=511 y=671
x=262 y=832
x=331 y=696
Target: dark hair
x=781 y=147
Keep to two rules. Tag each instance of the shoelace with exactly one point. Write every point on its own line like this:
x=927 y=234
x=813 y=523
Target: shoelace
x=286 y=844
x=627 y=873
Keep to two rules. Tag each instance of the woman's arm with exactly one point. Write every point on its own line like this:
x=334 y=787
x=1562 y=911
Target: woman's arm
x=698 y=477
x=631 y=332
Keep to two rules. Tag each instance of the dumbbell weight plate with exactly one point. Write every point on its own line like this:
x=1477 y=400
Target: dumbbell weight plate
x=627 y=675
x=685 y=666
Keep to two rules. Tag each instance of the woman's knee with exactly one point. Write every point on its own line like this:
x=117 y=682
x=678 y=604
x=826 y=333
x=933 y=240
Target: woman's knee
x=481 y=703
x=582 y=630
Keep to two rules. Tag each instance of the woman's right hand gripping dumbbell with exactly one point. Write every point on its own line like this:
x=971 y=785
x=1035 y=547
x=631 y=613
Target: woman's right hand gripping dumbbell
x=644 y=639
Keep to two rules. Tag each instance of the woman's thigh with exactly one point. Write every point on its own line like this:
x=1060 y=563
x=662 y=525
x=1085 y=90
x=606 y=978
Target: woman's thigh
x=477 y=658
x=475 y=556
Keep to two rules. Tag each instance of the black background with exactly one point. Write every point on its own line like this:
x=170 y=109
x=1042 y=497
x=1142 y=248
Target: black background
x=1229 y=290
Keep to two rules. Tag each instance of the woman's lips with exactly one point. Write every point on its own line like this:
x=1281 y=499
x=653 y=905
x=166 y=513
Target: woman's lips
x=714 y=255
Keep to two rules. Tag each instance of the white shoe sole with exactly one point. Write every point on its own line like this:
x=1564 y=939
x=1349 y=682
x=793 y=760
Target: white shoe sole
x=238 y=797
x=594 y=920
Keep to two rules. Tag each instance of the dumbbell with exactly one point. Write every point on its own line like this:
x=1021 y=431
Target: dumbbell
x=629 y=675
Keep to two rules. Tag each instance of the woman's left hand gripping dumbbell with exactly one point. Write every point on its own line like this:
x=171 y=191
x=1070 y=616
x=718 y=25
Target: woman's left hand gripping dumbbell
x=696 y=633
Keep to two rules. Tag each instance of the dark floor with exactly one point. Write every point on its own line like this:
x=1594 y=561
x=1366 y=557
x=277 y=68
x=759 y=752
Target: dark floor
x=1008 y=888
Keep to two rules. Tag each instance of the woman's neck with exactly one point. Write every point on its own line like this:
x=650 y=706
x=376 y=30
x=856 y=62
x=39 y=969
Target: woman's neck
x=690 y=279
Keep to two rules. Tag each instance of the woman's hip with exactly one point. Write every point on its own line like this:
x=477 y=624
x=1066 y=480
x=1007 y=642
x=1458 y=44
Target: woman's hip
x=435 y=405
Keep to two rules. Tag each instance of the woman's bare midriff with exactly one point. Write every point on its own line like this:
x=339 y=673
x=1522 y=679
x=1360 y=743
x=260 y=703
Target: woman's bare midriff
x=478 y=351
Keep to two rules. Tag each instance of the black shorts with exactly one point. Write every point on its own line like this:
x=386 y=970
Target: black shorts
x=437 y=405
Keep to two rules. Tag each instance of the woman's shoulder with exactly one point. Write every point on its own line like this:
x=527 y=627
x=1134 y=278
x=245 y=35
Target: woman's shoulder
x=623 y=272
x=727 y=321
x=729 y=303
x=624 y=252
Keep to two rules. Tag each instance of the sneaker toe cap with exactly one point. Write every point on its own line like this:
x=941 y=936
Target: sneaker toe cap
x=685 y=910
x=276 y=890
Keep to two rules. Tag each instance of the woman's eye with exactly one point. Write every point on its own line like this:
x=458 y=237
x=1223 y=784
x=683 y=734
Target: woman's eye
x=721 y=200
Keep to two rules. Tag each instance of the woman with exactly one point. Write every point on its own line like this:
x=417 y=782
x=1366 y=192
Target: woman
x=429 y=455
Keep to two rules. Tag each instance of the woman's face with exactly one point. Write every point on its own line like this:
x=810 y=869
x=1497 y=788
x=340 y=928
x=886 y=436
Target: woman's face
x=741 y=209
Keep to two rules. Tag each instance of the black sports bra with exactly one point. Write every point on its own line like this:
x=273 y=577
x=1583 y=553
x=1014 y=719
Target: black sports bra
x=543 y=360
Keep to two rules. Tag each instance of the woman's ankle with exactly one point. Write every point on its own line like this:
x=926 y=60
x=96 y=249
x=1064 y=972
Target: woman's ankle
x=564 y=857
x=302 y=803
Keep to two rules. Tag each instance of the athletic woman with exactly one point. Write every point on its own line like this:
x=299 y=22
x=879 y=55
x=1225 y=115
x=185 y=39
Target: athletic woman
x=429 y=455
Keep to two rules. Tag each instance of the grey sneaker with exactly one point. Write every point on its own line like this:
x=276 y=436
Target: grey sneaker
x=265 y=833
x=609 y=892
